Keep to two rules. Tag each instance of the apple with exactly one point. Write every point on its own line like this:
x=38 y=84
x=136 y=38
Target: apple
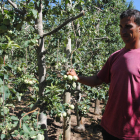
x=74 y=84
x=26 y=81
x=75 y=78
x=65 y=76
x=59 y=114
x=71 y=106
x=70 y=77
x=18 y=68
x=64 y=61
x=40 y=137
x=10 y=32
x=84 y=107
x=59 y=64
x=20 y=94
x=56 y=66
x=64 y=114
x=31 y=82
x=84 y=111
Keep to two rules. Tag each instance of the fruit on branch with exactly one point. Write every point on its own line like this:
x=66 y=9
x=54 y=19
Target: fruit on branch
x=40 y=137
x=19 y=69
x=74 y=78
x=9 y=31
x=70 y=78
x=71 y=106
x=65 y=77
x=64 y=114
x=59 y=114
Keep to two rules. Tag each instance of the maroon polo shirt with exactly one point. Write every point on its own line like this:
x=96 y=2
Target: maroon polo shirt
x=122 y=113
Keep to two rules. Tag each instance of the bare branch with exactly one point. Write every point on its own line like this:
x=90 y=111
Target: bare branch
x=13 y=4
x=16 y=8
x=19 y=122
x=27 y=27
x=97 y=8
x=101 y=38
x=74 y=34
x=63 y=24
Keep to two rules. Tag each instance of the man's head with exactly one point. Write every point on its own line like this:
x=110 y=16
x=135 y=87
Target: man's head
x=130 y=28
x=132 y=13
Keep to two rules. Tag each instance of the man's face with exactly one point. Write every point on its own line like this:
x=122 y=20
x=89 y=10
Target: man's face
x=129 y=30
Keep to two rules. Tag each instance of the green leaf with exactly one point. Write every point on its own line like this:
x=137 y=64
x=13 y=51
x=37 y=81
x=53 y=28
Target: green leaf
x=3 y=28
x=34 y=13
x=3 y=136
x=6 y=91
x=26 y=43
x=47 y=91
x=6 y=21
x=14 y=118
x=1 y=81
x=38 y=2
x=5 y=76
x=16 y=45
x=26 y=130
x=32 y=133
x=26 y=118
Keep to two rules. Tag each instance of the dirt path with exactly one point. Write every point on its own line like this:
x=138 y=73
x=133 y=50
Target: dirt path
x=92 y=125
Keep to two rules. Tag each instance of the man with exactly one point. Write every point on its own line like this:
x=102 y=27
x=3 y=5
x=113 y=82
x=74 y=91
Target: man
x=121 y=119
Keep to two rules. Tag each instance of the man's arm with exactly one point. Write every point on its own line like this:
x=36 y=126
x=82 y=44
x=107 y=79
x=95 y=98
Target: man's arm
x=89 y=81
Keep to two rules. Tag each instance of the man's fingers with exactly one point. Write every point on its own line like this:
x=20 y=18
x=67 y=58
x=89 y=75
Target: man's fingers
x=69 y=71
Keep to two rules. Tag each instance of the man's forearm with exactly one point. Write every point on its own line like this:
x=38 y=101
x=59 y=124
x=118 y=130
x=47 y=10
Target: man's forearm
x=89 y=81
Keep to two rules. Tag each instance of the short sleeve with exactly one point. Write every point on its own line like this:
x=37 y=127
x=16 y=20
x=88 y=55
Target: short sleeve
x=104 y=74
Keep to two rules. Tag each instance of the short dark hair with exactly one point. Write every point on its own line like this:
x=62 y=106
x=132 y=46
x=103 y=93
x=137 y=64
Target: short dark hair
x=132 y=13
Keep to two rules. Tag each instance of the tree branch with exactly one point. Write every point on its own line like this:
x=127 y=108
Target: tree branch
x=97 y=8
x=16 y=8
x=63 y=24
x=106 y=37
x=34 y=108
x=13 y=4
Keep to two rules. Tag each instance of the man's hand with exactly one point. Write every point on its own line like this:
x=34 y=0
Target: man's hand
x=89 y=81
x=72 y=73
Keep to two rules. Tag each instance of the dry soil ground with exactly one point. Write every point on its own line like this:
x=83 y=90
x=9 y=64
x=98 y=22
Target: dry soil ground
x=55 y=129
x=92 y=125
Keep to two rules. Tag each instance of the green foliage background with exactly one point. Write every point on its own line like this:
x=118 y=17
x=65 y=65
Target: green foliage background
x=93 y=40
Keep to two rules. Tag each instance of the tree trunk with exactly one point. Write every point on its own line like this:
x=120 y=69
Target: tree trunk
x=80 y=120
x=43 y=123
x=67 y=96
x=41 y=66
x=67 y=120
x=97 y=107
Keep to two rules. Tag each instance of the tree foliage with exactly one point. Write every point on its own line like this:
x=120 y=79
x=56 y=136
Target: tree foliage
x=33 y=57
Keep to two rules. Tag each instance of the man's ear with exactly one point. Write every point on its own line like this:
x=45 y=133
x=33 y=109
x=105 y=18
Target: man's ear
x=139 y=29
